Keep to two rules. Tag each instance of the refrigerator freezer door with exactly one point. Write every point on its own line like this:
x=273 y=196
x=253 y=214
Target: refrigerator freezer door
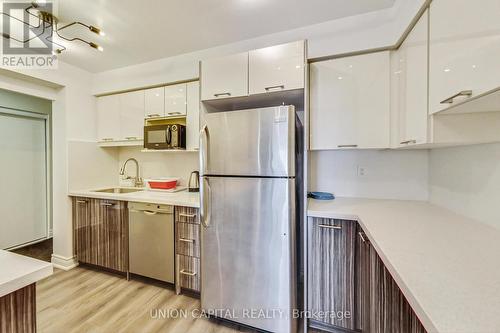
x=255 y=142
x=247 y=254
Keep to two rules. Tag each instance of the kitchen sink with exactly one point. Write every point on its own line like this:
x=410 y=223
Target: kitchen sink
x=119 y=190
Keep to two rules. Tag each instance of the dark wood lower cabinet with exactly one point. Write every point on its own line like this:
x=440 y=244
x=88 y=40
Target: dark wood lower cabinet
x=101 y=232
x=331 y=272
x=346 y=275
x=18 y=311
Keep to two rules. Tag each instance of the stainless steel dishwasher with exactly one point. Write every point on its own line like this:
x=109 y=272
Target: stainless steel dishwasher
x=151 y=240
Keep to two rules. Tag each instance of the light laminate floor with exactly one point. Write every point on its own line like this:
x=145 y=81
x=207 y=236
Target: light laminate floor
x=86 y=300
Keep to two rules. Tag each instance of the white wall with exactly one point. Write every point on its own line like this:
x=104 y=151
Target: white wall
x=371 y=30
x=467 y=181
x=388 y=174
x=157 y=164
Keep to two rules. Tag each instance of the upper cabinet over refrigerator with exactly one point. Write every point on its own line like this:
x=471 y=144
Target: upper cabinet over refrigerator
x=225 y=77
x=276 y=68
x=464 y=50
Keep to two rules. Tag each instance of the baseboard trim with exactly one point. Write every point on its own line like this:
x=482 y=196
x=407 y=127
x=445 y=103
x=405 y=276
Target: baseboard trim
x=64 y=263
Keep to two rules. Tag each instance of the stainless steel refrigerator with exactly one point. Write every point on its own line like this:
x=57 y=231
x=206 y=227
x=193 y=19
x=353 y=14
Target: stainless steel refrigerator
x=248 y=206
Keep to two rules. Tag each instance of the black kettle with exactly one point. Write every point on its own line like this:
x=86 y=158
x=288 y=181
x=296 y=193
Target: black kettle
x=194 y=182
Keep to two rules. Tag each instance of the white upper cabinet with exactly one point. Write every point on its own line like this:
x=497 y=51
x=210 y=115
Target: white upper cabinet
x=175 y=100
x=464 y=50
x=409 y=68
x=132 y=115
x=154 y=102
x=225 y=77
x=193 y=115
x=276 y=68
x=108 y=114
x=350 y=102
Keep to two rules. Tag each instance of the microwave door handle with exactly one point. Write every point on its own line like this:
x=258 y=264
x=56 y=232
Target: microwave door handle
x=169 y=135
x=204 y=149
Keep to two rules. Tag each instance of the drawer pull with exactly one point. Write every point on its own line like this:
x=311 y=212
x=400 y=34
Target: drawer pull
x=107 y=139
x=222 y=94
x=81 y=201
x=187 y=215
x=188 y=273
x=275 y=87
x=186 y=240
x=131 y=138
x=347 y=146
x=326 y=226
x=408 y=142
x=174 y=113
x=449 y=100
x=107 y=204
x=153 y=115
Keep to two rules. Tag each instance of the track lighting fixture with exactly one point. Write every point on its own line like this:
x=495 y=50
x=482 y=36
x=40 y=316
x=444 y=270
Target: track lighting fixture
x=48 y=24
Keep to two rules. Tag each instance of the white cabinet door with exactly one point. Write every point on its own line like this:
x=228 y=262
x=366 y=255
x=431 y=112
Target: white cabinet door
x=132 y=115
x=464 y=49
x=409 y=84
x=175 y=100
x=276 y=68
x=224 y=77
x=350 y=102
x=193 y=115
x=108 y=118
x=154 y=103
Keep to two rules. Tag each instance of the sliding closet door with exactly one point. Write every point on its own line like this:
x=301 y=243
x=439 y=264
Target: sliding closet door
x=23 y=178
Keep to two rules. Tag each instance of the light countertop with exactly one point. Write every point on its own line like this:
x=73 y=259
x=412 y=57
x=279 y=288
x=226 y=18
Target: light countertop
x=447 y=265
x=182 y=198
x=17 y=271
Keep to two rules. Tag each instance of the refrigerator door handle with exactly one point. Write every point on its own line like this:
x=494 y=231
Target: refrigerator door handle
x=205 y=202
x=204 y=142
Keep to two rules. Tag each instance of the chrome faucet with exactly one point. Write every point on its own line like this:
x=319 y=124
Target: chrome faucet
x=137 y=180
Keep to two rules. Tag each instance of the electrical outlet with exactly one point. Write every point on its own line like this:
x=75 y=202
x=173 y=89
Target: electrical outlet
x=361 y=171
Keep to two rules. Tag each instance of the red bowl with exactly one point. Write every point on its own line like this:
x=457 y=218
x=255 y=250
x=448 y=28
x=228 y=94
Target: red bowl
x=163 y=185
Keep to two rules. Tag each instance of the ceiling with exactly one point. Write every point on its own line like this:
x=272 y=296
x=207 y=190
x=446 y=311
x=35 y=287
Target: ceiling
x=145 y=30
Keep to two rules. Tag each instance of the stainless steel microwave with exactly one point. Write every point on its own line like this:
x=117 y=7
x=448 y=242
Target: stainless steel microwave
x=168 y=136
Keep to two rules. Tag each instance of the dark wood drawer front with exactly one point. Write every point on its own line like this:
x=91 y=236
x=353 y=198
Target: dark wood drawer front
x=189 y=272
x=331 y=271
x=187 y=215
x=188 y=239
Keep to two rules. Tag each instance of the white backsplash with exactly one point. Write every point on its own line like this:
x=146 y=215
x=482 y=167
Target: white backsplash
x=378 y=174
x=467 y=180
x=159 y=164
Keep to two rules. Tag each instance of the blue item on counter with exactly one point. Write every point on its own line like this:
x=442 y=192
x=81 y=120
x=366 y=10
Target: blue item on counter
x=321 y=195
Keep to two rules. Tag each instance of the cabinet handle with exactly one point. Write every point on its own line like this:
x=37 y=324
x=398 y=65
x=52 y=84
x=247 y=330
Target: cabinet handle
x=347 y=146
x=153 y=115
x=449 y=100
x=362 y=236
x=81 y=201
x=222 y=94
x=188 y=273
x=185 y=240
x=107 y=204
x=408 y=142
x=275 y=87
x=326 y=226
x=187 y=215
x=107 y=139
x=131 y=138
x=173 y=113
